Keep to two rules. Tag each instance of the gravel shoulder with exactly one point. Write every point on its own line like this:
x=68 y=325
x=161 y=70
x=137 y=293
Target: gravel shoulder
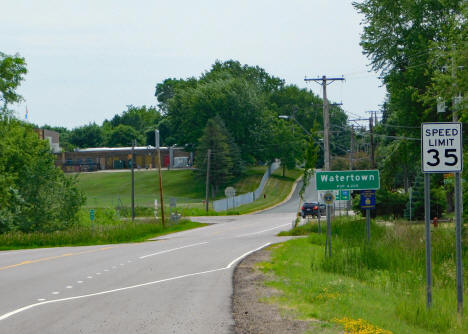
x=252 y=314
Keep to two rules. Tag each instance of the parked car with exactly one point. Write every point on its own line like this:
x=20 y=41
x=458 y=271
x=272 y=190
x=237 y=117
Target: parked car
x=310 y=209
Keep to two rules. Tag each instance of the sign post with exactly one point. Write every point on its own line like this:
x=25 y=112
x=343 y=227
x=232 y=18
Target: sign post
x=328 y=198
x=345 y=181
x=442 y=152
x=368 y=203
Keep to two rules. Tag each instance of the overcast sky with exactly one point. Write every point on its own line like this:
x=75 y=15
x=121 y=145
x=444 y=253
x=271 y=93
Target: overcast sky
x=88 y=59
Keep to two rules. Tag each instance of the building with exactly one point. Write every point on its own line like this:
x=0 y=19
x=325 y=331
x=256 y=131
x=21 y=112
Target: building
x=52 y=136
x=100 y=158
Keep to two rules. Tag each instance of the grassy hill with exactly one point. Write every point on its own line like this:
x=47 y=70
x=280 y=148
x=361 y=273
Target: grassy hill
x=105 y=189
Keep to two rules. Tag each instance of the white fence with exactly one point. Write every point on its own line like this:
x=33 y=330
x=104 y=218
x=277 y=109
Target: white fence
x=234 y=202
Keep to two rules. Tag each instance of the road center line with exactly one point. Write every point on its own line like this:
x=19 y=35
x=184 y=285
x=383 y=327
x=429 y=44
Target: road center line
x=55 y=257
x=173 y=249
x=28 y=307
x=273 y=228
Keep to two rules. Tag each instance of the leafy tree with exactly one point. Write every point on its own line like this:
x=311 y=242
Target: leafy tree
x=141 y=118
x=166 y=90
x=255 y=75
x=310 y=157
x=34 y=194
x=449 y=58
x=90 y=135
x=123 y=136
x=437 y=195
x=236 y=101
x=215 y=138
x=12 y=71
x=399 y=38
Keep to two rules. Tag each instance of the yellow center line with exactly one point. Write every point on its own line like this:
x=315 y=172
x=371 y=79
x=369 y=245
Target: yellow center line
x=54 y=257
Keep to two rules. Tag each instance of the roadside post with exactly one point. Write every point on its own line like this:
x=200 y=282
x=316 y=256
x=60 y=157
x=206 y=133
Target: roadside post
x=329 y=199
x=230 y=192
x=91 y=217
x=343 y=180
x=368 y=203
x=442 y=152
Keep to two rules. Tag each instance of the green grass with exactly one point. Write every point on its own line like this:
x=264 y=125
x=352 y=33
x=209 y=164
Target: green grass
x=106 y=229
x=276 y=190
x=381 y=282
x=104 y=189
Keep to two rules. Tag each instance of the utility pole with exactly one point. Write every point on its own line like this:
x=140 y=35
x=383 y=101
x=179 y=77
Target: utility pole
x=324 y=81
x=351 y=148
x=161 y=196
x=458 y=209
x=371 y=130
x=207 y=179
x=133 y=180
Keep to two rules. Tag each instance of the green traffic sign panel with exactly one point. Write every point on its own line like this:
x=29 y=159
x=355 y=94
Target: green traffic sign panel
x=348 y=180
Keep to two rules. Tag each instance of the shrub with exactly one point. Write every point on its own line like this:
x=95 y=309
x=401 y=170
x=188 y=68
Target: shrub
x=34 y=194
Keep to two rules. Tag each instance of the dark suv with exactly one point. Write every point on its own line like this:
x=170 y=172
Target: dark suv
x=310 y=209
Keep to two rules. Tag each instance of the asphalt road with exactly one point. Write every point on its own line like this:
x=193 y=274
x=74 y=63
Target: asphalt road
x=180 y=283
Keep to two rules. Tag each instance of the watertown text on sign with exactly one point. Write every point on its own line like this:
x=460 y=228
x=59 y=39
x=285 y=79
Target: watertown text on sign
x=348 y=180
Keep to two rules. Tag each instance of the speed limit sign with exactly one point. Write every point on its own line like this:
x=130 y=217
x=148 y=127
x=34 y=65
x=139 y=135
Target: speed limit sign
x=442 y=150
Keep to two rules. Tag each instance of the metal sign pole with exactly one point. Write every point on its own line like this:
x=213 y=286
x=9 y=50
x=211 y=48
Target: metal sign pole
x=329 y=230
x=458 y=214
x=427 y=219
x=319 y=227
x=368 y=224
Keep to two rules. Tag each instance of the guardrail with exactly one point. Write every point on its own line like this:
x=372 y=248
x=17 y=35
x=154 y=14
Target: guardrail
x=234 y=202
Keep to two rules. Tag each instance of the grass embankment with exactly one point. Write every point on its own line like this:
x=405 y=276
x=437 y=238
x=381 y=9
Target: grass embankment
x=106 y=229
x=376 y=287
x=103 y=190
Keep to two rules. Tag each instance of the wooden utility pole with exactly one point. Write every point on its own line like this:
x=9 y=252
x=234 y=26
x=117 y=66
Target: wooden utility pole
x=351 y=147
x=324 y=81
x=133 y=180
x=161 y=194
x=371 y=130
x=208 y=156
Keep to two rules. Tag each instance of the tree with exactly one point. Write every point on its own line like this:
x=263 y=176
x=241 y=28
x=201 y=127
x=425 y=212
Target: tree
x=401 y=38
x=437 y=200
x=34 y=194
x=449 y=58
x=123 y=136
x=90 y=135
x=140 y=118
x=286 y=146
x=12 y=71
x=215 y=139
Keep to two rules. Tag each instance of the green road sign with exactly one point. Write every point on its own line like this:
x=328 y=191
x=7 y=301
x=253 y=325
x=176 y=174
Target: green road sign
x=348 y=180
x=91 y=215
x=343 y=195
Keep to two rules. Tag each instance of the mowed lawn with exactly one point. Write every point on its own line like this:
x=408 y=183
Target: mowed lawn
x=104 y=189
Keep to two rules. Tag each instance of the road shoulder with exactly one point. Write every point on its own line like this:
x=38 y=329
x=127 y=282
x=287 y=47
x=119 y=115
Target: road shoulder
x=251 y=312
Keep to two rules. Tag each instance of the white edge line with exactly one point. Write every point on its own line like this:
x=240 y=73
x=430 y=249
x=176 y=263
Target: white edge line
x=173 y=249
x=28 y=307
x=245 y=254
x=273 y=228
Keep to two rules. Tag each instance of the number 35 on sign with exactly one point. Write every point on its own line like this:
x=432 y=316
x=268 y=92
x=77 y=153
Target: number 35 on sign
x=442 y=150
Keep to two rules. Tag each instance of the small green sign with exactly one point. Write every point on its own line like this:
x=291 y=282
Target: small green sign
x=91 y=214
x=348 y=180
x=343 y=195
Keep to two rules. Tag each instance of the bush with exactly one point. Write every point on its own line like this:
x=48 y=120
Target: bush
x=34 y=194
